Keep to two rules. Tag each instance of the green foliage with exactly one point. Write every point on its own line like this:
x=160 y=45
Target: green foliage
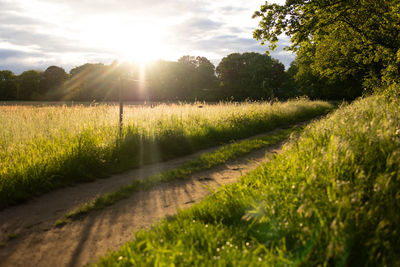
x=189 y=78
x=162 y=80
x=199 y=73
x=331 y=198
x=92 y=82
x=352 y=41
x=244 y=76
x=51 y=81
x=312 y=84
x=29 y=85
x=47 y=147
x=251 y=76
x=32 y=84
x=8 y=85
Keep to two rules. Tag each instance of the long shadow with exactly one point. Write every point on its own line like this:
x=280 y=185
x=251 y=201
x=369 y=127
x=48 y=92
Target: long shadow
x=84 y=236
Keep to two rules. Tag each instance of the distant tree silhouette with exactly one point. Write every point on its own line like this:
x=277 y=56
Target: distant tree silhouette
x=8 y=85
x=247 y=75
x=189 y=78
x=199 y=76
x=51 y=82
x=90 y=82
x=29 y=85
x=251 y=75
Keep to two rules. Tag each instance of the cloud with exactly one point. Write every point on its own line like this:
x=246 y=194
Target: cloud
x=216 y=40
x=6 y=54
x=68 y=33
x=231 y=9
x=134 y=8
x=192 y=29
x=16 y=60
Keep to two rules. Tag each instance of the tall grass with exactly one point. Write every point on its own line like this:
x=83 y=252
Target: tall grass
x=331 y=198
x=46 y=147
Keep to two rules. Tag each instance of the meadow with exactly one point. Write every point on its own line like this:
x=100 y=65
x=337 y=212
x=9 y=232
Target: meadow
x=331 y=198
x=46 y=147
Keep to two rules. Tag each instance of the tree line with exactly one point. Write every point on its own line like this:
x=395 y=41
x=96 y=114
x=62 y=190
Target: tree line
x=238 y=76
x=252 y=76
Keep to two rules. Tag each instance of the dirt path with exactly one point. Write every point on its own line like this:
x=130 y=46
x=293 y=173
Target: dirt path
x=28 y=237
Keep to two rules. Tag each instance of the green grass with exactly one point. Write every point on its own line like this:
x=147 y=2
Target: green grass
x=331 y=198
x=203 y=162
x=42 y=148
x=11 y=236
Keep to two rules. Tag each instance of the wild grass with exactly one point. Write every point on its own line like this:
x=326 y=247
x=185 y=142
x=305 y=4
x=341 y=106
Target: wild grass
x=203 y=162
x=331 y=198
x=42 y=148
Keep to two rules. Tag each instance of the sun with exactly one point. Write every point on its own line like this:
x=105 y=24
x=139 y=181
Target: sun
x=140 y=46
x=133 y=41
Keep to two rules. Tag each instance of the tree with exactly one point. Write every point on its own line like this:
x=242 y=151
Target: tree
x=29 y=85
x=91 y=82
x=311 y=83
x=52 y=79
x=205 y=73
x=198 y=74
x=8 y=85
x=345 y=40
x=250 y=75
x=186 y=75
x=188 y=78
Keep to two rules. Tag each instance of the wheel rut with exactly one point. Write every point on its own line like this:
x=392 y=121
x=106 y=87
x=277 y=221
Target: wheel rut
x=28 y=236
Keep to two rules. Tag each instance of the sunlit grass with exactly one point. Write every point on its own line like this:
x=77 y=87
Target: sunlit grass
x=331 y=198
x=46 y=147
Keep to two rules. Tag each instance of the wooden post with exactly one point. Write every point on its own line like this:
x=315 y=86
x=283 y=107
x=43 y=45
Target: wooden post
x=121 y=106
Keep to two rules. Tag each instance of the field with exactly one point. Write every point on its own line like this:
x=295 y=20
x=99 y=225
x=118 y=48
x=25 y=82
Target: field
x=331 y=198
x=46 y=147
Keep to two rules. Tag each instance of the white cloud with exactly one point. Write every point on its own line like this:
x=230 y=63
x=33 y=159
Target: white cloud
x=39 y=33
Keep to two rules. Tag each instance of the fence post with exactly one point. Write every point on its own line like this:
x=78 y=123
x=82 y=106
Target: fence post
x=121 y=106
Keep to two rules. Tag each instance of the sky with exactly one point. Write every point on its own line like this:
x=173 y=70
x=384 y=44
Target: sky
x=35 y=34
